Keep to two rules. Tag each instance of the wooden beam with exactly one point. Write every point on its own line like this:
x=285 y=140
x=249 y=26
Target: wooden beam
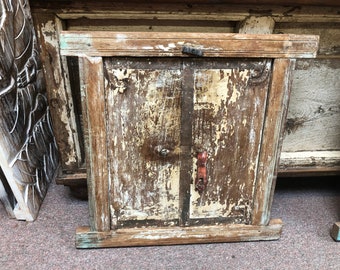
x=308 y=172
x=309 y=159
x=85 y=238
x=103 y=43
x=58 y=90
x=192 y=2
x=256 y=25
x=96 y=156
x=272 y=139
x=72 y=10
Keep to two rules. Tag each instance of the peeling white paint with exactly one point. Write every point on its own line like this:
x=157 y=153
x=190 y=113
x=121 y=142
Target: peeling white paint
x=235 y=95
x=137 y=200
x=211 y=90
x=166 y=48
x=148 y=48
x=121 y=37
x=49 y=32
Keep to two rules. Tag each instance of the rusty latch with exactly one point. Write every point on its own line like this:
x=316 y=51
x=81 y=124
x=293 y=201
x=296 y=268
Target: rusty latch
x=201 y=180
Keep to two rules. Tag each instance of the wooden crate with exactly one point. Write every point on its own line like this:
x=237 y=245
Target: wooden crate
x=183 y=132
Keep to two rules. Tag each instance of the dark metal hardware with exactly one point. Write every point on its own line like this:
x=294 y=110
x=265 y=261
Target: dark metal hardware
x=201 y=180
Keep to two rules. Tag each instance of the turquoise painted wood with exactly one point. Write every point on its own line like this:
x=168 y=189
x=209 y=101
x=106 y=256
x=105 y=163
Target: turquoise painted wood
x=335 y=232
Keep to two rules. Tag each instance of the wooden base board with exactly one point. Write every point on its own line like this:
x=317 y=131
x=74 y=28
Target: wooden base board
x=309 y=171
x=85 y=238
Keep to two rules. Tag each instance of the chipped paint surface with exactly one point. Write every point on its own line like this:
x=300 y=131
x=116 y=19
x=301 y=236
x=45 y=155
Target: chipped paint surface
x=62 y=112
x=143 y=132
x=227 y=123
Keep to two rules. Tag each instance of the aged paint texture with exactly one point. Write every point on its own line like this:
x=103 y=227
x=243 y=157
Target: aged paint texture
x=143 y=138
x=144 y=116
x=59 y=97
x=228 y=116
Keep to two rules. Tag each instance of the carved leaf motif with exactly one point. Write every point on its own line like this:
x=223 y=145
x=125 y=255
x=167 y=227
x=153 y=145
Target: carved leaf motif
x=27 y=144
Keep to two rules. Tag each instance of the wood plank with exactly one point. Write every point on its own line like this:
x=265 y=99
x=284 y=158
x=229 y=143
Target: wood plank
x=186 y=170
x=257 y=2
x=228 y=116
x=313 y=120
x=107 y=10
x=309 y=163
x=329 y=33
x=58 y=90
x=272 y=139
x=150 y=25
x=256 y=25
x=72 y=178
x=313 y=128
x=104 y=43
x=308 y=171
x=85 y=238
x=143 y=98
x=92 y=81
x=309 y=159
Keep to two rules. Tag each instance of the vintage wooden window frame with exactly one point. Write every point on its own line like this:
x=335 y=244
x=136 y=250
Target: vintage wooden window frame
x=91 y=47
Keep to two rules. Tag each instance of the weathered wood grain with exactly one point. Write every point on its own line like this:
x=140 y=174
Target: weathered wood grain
x=186 y=170
x=278 y=97
x=222 y=101
x=258 y=2
x=329 y=33
x=309 y=163
x=314 y=112
x=204 y=17
x=58 y=91
x=229 y=111
x=150 y=25
x=86 y=238
x=169 y=13
x=256 y=25
x=143 y=114
x=92 y=80
x=312 y=128
x=147 y=118
x=103 y=43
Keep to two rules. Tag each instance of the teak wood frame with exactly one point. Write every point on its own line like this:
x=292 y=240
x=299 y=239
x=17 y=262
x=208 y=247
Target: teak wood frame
x=92 y=46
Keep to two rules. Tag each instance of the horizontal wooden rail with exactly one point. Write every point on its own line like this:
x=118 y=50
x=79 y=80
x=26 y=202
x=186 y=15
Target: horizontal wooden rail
x=144 y=44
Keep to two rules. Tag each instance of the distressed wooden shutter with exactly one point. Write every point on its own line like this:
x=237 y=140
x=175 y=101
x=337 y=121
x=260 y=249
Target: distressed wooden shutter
x=183 y=133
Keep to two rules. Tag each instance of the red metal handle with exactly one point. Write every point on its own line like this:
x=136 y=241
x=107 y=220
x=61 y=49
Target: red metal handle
x=201 y=180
